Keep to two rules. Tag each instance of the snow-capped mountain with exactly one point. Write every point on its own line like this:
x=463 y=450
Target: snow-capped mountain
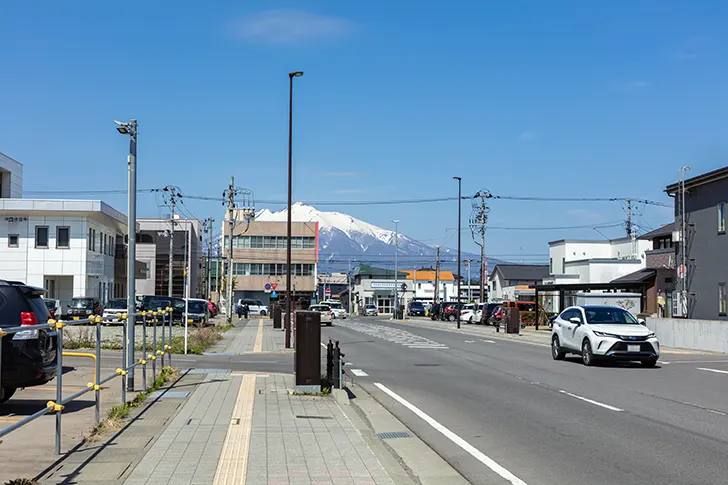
x=345 y=240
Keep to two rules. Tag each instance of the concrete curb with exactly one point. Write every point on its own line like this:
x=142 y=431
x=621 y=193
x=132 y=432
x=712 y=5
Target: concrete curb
x=410 y=460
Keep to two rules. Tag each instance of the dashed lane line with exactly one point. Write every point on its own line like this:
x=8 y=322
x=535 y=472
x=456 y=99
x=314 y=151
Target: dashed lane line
x=717 y=371
x=591 y=401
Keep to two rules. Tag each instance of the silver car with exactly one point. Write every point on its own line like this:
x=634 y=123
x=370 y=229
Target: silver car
x=370 y=310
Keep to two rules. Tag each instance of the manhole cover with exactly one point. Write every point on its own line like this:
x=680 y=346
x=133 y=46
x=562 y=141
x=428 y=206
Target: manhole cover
x=393 y=434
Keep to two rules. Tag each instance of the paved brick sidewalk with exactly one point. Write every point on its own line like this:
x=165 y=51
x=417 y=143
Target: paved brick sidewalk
x=270 y=340
x=284 y=439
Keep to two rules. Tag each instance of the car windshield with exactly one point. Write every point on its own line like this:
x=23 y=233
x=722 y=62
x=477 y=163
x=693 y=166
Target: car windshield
x=609 y=315
x=196 y=307
x=157 y=304
x=335 y=305
x=82 y=303
x=50 y=304
x=370 y=306
x=417 y=304
x=116 y=303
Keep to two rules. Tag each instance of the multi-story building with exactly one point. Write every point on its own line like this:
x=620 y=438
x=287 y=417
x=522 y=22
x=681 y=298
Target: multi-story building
x=153 y=249
x=703 y=251
x=259 y=260
x=70 y=247
x=11 y=178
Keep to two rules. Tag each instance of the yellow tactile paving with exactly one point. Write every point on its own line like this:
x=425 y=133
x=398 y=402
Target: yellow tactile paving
x=233 y=464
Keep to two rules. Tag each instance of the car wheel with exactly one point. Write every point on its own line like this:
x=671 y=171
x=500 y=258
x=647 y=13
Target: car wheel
x=556 y=351
x=263 y=313
x=451 y=318
x=587 y=357
x=7 y=393
x=470 y=321
x=330 y=324
x=649 y=363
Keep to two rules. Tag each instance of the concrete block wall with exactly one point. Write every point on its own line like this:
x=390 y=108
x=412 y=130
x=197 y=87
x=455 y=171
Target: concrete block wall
x=711 y=335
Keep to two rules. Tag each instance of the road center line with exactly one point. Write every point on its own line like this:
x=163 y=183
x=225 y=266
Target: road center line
x=591 y=401
x=474 y=452
x=359 y=373
x=718 y=371
x=470 y=341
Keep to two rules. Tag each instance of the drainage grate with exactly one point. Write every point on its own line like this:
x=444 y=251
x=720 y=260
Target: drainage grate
x=169 y=394
x=314 y=417
x=208 y=371
x=393 y=434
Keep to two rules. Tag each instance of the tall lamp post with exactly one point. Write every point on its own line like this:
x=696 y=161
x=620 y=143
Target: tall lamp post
x=396 y=279
x=287 y=324
x=460 y=183
x=130 y=128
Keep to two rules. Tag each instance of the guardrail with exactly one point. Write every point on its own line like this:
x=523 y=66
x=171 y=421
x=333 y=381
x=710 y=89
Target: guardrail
x=58 y=405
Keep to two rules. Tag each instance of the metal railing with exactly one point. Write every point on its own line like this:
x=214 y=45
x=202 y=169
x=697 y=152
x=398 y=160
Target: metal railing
x=60 y=402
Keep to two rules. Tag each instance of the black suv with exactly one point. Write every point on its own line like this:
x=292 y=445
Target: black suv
x=29 y=357
x=83 y=306
x=161 y=302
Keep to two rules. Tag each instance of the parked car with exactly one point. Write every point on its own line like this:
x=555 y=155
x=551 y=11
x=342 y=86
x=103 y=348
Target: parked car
x=599 y=332
x=371 y=310
x=54 y=308
x=485 y=313
x=326 y=314
x=467 y=312
x=255 y=307
x=498 y=314
x=114 y=308
x=212 y=308
x=82 y=307
x=197 y=311
x=162 y=302
x=28 y=357
x=337 y=308
x=416 y=309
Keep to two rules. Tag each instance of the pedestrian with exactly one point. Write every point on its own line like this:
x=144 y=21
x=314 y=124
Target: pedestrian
x=240 y=311
x=246 y=310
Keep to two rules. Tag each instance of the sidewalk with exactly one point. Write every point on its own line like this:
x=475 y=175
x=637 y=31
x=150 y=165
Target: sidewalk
x=257 y=336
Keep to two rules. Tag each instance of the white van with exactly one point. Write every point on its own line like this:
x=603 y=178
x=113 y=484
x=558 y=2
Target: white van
x=336 y=308
x=256 y=307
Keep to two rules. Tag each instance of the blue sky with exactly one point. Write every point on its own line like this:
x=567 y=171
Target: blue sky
x=560 y=98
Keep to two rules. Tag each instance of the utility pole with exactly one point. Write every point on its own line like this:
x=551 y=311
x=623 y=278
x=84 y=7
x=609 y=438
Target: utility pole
x=682 y=272
x=396 y=279
x=207 y=227
x=231 y=226
x=460 y=203
x=470 y=293
x=478 y=221
x=631 y=230
x=130 y=129
x=174 y=194
x=436 y=293
x=218 y=270
x=188 y=263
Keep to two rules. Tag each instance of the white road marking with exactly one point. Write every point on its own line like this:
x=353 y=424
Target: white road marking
x=664 y=362
x=474 y=452
x=323 y=344
x=433 y=347
x=718 y=371
x=359 y=373
x=470 y=341
x=596 y=403
x=488 y=341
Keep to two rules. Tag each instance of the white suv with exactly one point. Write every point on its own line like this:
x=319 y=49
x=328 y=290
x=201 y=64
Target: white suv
x=256 y=307
x=603 y=332
x=336 y=308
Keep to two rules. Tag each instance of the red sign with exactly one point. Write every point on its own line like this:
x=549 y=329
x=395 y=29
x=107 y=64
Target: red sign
x=328 y=291
x=274 y=285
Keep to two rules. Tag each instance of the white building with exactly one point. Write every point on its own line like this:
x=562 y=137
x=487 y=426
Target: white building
x=511 y=282
x=11 y=178
x=587 y=261
x=423 y=284
x=70 y=247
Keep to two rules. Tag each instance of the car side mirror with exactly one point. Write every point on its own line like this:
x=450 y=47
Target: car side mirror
x=641 y=321
x=68 y=306
x=575 y=320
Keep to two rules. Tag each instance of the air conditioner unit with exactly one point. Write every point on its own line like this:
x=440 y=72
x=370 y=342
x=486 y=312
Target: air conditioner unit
x=675 y=236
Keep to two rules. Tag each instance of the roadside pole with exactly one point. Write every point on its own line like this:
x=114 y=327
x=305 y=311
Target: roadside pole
x=231 y=226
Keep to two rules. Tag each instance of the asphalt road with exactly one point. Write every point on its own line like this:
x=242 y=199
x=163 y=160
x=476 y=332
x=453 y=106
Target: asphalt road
x=497 y=408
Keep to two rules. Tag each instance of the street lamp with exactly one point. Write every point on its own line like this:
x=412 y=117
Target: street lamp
x=460 y=183
x=396 y=279
x=287 y=324
x=130 y=128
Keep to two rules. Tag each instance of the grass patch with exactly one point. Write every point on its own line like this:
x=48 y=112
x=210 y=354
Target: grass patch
x=116 y=416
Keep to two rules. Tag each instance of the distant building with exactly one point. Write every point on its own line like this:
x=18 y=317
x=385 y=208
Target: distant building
x=511 y=282
x=11 y=178
x=331 y=285
x=153 y=249
x=423 y=284
x=705 y=246
x=259 y=259
x=376 y=286
x=69 y=247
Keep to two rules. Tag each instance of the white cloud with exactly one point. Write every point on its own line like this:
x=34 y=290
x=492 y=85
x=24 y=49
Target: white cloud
x=527 y=136
x=289 y=27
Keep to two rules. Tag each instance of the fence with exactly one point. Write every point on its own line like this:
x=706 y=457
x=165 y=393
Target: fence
x=711 y=335
x=58 y=405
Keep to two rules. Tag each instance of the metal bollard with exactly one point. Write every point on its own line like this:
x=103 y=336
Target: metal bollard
x=123 y=359
x=97 y=391
x=153 y=355
x=336 y=381
x=171 y=314
x=59 y=384
x=330 y=362
x=163 y=344
x=144 y=349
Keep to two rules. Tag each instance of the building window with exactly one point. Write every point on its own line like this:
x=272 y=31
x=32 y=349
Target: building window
x=41 y=237
x=93 y=239
x=722 y=300
x=551 y=265
x=90 y=239
x=563 y=265
x=721 y=218
x=13 y=240
x=63 y=237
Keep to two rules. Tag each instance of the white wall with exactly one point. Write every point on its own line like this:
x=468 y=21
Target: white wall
x=711 y=335
x=147 y=253
x=11 y=172
x=582 y=250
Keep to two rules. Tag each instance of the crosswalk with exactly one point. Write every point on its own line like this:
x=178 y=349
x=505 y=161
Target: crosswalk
x=394 y=335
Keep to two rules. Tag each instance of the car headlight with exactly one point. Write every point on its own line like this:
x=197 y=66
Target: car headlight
x=651 y=335
x=604 y=334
